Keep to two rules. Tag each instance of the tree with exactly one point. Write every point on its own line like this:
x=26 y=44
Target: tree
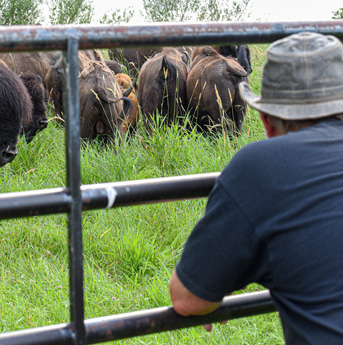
x=223 y=10
x=201 y=10
x=169 y=10
x=338 y=14
x=20 y=12
x=70 y=11
x=118 y=16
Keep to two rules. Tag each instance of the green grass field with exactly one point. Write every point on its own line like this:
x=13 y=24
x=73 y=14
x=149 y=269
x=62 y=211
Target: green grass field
x=129 y=253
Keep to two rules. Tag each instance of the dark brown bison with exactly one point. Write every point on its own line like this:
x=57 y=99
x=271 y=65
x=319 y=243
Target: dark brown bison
x=102 y=107
x=33 y=62
x=39 y=121
x=128 y=88
x=212 y=90
x=115 y=66
x=54 y=79
x=162 y=86
x=134 y=58
x=94 y=54
x=15 y=112
x=239 y=52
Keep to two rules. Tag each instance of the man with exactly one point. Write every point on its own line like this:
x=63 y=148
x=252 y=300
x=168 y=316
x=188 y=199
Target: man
x=275 y=215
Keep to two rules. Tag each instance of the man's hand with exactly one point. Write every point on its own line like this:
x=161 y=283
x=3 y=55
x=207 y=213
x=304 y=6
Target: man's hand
x=208 y=327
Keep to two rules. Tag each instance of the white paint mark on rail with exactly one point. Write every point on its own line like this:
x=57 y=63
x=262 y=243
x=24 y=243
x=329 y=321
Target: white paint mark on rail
x=111 y=196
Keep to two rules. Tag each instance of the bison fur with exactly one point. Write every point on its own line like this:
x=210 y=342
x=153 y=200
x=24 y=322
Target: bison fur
x=15 y=112
x=39 y=121
x=162 y=86
x=239 y=52
x=213 y=94
x=126 y=84
x=102 y=105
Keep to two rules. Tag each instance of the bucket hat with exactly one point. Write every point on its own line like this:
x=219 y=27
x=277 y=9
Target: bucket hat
x=302 y=78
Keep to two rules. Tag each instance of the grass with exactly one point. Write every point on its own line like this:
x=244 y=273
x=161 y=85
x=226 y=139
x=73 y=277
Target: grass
x=129 y=253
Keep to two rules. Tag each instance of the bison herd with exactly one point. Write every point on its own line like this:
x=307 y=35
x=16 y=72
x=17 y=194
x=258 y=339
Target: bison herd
x=172 y=82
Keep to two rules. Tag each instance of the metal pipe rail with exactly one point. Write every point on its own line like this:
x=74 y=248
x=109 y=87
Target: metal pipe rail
x=144 y=322
x=106 y=195
x=25 y=38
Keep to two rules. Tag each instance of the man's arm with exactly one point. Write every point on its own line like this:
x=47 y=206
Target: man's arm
x=185 y=303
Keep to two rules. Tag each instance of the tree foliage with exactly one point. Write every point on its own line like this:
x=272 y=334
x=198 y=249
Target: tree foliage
x=338 y=14
x=224 y=10
x=20 y=12
x=168 y=10
x=200 y=10
x=118 y=16
x=70 y=11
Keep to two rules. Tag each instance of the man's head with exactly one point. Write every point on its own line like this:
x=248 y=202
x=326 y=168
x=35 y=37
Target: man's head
x=302 y=79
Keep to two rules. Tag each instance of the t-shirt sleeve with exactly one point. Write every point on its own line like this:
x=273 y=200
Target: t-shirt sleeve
x=223 y=253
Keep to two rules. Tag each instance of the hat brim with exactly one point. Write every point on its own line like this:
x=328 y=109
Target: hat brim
x=291 y=111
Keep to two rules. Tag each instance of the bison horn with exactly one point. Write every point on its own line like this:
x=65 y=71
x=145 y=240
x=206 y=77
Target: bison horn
x=130 y=88
x=153 y=54
x=188 y=58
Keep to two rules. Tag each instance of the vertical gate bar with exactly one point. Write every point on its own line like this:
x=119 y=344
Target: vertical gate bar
x=72 y=118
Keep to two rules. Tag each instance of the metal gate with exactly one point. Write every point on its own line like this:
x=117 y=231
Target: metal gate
x=76 y=198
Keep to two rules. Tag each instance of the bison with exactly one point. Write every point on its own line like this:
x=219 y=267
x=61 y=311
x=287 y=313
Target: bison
x=115 y=66
x=129 y=90
x=239 y=52
x=54 y=79
x=134 y=58
x=33 y=62
x=15 y=112
x=212 y=91
x=131 y=57
x=94 y=54
x=39 y=121
x=162 y=86
x=102 y=105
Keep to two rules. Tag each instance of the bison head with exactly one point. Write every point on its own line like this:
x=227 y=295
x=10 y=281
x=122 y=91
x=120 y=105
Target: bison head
x=35 y=88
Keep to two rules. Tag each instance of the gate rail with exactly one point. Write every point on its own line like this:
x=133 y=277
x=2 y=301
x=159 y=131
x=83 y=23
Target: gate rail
x=106 y=195
x=76 y=198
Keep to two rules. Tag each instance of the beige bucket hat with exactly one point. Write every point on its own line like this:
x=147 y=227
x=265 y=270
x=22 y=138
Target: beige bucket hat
x=302 y=79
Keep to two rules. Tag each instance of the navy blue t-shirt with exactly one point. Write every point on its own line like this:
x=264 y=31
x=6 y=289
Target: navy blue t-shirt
x=275 y=217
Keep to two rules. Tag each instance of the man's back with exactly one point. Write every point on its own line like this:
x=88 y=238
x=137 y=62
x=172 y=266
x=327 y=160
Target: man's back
x=297 y=211
x=286 y=196
x=275 y=214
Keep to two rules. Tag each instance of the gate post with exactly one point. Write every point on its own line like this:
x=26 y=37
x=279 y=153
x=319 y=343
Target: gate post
x=72 y=132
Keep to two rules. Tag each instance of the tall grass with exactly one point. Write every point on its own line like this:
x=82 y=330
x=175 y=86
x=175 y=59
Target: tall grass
x=129 y=253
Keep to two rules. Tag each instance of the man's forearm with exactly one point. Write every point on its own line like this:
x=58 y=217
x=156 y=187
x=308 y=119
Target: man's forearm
x=185 y=302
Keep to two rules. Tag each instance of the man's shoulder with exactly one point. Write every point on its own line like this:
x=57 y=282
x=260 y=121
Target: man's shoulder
x=259 y=151
x=258 y=160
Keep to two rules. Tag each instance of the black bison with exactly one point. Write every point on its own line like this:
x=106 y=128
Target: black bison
x=102 y=105
x=162 y=86
x=128 y=88
x=54 y=79
x=212 y=91
x=239 y=52
x=15 y=112
x=39 y=121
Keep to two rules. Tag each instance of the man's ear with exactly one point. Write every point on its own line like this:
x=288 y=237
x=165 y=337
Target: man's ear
x=269 y=126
